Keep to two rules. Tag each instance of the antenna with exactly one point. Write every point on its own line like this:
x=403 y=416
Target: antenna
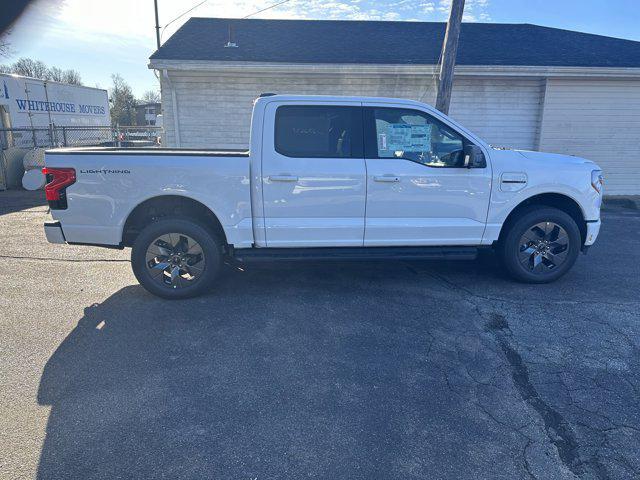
x=229 y=43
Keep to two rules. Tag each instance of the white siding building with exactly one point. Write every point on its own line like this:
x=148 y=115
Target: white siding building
x=517 y=86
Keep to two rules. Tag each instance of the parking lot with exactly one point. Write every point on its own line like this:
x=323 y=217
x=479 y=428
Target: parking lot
x=387 y=370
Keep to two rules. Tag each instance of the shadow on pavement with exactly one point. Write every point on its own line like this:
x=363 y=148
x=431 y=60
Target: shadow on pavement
x=17 y=200
x=288 y=372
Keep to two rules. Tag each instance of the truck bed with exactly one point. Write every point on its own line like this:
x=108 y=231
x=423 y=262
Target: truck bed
x=111 y=182
x=147 y=151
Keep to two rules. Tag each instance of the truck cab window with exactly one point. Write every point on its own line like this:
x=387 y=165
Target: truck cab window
x=318 y=131
x=416 y=136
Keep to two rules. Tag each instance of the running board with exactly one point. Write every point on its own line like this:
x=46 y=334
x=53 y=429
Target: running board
x=355 y=253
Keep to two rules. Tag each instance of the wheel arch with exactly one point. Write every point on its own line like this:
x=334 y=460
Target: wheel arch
x=560 y=201
x=160 y=206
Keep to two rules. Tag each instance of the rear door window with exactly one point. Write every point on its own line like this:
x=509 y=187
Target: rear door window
x=319 y=131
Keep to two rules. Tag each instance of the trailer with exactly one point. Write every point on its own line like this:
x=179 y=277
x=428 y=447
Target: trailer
x=32 y=107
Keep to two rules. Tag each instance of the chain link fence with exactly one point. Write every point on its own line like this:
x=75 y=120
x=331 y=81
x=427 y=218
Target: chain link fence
x=17 y=143
x=124 y=137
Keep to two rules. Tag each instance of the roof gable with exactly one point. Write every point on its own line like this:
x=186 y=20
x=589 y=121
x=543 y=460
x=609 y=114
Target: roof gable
x=377 y=42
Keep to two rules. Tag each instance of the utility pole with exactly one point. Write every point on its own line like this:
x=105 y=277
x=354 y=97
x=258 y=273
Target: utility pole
x=449 y=51
x=155 y=5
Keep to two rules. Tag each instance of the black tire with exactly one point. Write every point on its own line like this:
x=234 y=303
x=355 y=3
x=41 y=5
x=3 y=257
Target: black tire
x=543 y=265
x=155 y=280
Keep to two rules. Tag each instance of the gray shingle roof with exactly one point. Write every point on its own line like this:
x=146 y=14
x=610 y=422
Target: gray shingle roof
x=320 y=41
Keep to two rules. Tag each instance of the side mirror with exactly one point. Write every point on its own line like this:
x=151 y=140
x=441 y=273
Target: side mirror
x=473 y=157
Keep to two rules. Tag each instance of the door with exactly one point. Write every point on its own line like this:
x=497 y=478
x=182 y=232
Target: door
x=419 y=191
x=313 y=171
x=502 y=111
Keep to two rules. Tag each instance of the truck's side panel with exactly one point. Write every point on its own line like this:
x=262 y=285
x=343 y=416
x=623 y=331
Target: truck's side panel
x=423 y=201
x=110 y=186
x=314 y=201
x=539 y=173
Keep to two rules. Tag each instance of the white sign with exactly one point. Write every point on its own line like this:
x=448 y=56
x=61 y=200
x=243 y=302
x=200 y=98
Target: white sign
x=402 y=137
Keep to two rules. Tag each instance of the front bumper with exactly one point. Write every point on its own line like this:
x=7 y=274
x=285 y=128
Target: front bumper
x=593 y=228
x=53 y=231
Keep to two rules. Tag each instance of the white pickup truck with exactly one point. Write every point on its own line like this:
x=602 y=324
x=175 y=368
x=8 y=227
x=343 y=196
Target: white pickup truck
x=326 y=178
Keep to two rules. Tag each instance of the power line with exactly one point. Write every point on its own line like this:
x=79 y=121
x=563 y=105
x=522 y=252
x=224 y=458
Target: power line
x=182 y=15
x=205 y=1
x=434 y=79
x=266 y=8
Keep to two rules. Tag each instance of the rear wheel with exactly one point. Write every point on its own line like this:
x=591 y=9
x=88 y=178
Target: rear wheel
x=175 y=258
x=540 y=246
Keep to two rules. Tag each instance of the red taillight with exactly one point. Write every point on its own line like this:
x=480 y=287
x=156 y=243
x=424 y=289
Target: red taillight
x=57 y=180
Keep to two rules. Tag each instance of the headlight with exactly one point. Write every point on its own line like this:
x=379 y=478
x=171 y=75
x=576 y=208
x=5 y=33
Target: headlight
x=597 y=180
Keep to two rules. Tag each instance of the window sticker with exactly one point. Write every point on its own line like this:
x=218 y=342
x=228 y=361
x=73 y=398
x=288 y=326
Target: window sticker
x=420 y=138
x=382 y=141
x=402 y=137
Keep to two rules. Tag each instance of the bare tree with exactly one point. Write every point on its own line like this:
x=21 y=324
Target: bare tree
x=37 y=69
x=31 y=68
x=123 y=103
x=72 y=77
x=5 y=48
x=151 y=96
x=55 y=74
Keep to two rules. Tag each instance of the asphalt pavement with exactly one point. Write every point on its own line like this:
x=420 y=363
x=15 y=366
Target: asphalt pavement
x=380 y=370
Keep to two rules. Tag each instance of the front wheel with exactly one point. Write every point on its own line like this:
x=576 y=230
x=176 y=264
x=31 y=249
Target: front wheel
x=540 y=246
x=176 y=258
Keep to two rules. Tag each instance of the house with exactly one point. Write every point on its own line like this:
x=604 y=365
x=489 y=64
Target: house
x=516 y=85
x=146 y=113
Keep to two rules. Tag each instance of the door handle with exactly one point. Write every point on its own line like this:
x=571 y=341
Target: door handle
x=386 y=178
x=283 y=178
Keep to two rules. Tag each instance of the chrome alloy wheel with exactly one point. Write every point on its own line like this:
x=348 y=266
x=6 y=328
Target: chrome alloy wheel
x=543 y=247
x=175 y=260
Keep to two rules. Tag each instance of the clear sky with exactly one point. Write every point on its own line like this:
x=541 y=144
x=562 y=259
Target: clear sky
x=101 y=37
